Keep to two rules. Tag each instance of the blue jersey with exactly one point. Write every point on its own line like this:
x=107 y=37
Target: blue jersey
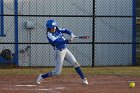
x=57 y=39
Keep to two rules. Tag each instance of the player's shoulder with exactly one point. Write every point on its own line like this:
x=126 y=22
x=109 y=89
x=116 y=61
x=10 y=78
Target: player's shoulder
x=49 y=34
x=61 y=29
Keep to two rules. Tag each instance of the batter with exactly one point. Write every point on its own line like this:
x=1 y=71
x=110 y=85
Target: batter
x=57 y=40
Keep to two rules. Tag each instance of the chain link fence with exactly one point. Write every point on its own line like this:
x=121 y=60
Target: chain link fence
x=109 y=24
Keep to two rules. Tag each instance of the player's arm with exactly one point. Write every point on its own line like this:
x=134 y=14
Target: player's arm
x=73 y=37
x=67 y=32
x=60 y=42
x=56 y=41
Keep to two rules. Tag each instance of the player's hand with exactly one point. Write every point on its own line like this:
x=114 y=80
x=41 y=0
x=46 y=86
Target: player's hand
x=73 y=36
x=72 y=40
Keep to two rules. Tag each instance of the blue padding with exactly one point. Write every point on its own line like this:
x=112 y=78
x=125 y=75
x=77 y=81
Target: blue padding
x=2 y=20
x=3 y=60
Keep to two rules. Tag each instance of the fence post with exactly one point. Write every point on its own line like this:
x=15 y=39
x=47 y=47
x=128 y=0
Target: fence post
x=134 y=34
x=2 y=19
x=93 y=38
x=16 y=31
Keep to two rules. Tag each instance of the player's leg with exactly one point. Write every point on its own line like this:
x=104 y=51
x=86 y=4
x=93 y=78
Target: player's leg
x=59 y=58
x=71 y=59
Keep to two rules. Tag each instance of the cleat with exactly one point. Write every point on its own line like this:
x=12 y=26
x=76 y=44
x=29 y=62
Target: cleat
x=39 y=79
x=84 y=81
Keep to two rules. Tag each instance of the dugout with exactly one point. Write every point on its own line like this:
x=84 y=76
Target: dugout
x=111 y=24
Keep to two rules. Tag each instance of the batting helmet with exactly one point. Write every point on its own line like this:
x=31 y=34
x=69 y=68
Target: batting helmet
x=51 y=24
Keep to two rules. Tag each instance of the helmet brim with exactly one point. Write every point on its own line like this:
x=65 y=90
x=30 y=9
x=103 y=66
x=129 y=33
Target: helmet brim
x=52 y=27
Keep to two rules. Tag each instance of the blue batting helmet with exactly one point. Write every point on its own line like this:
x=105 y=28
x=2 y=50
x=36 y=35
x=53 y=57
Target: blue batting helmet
x=51 y=24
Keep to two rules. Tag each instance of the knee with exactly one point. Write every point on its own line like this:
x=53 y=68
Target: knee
x=76 y=64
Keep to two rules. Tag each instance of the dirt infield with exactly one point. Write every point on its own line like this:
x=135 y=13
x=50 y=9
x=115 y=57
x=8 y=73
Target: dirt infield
x=68 y=84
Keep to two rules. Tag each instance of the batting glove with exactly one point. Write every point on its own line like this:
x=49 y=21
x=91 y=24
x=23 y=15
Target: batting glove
x=73 y=36
x=72 y=40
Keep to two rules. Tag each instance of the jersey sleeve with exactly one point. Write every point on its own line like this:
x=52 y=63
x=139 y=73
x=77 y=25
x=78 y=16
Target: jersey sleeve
x=56 y=41
x=65 y=31
x=60 y=42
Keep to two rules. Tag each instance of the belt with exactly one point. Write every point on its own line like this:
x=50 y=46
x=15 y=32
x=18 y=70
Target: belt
x=60 y=49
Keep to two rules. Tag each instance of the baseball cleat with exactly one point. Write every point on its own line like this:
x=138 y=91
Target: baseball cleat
x=84 y=81
x=39 y=79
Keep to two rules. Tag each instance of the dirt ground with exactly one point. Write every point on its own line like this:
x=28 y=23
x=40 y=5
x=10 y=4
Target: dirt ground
x=68 y=84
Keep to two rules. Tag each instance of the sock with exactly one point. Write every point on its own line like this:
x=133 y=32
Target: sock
x=49 y=74
x=79 y=71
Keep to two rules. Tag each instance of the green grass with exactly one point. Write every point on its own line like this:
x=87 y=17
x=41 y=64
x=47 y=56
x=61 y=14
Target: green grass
x=123 y=71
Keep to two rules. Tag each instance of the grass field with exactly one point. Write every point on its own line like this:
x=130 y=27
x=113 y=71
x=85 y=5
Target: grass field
x=126 y=70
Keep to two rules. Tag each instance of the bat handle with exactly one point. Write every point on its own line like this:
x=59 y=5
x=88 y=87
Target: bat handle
x=76 y=37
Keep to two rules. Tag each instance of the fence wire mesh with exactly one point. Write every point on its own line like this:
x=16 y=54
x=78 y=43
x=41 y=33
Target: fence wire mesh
x=108 y=23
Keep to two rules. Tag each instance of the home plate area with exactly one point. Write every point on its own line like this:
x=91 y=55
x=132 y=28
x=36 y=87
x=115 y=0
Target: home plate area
x=68 y=84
